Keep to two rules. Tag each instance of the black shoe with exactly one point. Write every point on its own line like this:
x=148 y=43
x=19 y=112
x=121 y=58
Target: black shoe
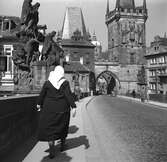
x=62 y=145
x=51 y=156
x=51 y=152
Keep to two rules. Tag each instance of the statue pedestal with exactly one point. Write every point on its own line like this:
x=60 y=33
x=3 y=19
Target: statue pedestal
x=31 y=82
x=40 y=75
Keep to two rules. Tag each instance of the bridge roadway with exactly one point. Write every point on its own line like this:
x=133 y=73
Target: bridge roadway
x=107 y=129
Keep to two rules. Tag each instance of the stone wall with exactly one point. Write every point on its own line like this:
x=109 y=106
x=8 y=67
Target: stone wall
x=126 y=74
x=18 y=121
x=78 y=52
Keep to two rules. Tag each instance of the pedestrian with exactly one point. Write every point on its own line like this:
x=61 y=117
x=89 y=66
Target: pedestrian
x=77 y=92
x=54 y=101
x=148 y=94
x=134 y=93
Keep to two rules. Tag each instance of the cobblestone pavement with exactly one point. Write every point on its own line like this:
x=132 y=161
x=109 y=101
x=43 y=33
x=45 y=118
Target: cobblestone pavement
x=107 y=129
x=128 y=130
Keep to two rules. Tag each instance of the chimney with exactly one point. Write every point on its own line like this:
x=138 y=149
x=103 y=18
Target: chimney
x=81 y=60
x=67 y=58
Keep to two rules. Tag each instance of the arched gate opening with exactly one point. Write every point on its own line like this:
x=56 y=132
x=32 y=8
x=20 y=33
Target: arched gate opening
x=107 y=83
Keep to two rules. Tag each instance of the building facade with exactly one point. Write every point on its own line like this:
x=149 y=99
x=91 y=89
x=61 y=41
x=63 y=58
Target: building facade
x=9 y=26
x=78 y=49
x=76 y=41
x=157 y=65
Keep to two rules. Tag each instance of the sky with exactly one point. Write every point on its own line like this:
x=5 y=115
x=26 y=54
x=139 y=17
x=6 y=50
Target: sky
x=52 y=12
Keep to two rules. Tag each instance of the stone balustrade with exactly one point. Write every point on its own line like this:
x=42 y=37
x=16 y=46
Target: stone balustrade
x=18 y=120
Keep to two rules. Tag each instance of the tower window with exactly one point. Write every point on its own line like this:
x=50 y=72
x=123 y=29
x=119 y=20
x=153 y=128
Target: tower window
x=112 y=43
x=132 y=58
x=140 y=11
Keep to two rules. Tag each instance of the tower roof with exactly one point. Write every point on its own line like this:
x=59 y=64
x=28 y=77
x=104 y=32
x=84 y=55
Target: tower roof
x=125 y=4
x=73 y=21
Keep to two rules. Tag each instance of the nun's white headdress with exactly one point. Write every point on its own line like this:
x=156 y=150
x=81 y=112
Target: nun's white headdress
x=56 y=77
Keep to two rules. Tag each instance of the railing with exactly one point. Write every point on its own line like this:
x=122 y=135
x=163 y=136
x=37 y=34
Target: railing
x=18 y=121
x=153 y=97
x=158 y=97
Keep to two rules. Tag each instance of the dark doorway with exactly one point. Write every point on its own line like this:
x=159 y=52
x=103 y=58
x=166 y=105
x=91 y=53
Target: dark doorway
x=111 y=85
x=106 y=82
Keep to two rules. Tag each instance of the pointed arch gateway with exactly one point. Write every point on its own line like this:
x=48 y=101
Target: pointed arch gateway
x=106 y=82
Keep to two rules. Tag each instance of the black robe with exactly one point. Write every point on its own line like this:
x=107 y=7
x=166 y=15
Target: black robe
x=55 y=111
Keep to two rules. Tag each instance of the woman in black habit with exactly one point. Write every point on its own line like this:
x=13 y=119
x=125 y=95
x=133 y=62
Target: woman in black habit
x=55 y=101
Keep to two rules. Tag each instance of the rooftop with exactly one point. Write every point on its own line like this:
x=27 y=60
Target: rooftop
x=73 y=20
x=81 y=43
x=75 y=66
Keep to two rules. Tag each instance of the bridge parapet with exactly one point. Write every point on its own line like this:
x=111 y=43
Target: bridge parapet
x=18 y=121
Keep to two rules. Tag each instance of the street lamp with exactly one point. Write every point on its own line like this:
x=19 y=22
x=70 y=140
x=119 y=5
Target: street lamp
x=141 y=77
x=128 y=73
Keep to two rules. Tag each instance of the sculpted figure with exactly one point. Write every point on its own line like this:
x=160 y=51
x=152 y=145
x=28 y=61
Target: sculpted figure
x=32 y=51
x=51 y=51
x=19 y=55
x=47 y=44
x=140 y=34
x=29 y=18
x=26 y=9
x=23 y=56
x=132 y=30
x=32 y=18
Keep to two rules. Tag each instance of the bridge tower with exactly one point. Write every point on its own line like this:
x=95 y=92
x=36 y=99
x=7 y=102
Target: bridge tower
x=126 y=25
x=126 y=32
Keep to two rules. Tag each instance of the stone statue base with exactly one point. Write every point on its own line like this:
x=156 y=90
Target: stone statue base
x=32 y=82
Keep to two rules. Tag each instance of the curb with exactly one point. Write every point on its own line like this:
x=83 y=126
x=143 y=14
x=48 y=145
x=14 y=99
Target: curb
x=154 y=103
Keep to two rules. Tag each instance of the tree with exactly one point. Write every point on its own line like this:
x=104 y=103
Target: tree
x=141 y=76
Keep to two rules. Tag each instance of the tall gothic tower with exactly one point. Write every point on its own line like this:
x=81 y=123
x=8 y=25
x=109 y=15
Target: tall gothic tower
x=126 y=32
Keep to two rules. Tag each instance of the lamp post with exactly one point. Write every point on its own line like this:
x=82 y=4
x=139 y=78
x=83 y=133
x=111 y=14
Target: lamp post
x=156 y=80
x=141 y=77
x=128 y=81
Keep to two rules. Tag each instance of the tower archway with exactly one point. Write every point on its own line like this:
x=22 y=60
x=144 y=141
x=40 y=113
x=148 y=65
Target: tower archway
x=107 y=82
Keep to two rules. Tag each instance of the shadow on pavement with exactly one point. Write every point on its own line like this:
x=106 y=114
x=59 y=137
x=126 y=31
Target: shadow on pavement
x=76 y=142
x=70 y=144
x=61 y=157
x=21 y=151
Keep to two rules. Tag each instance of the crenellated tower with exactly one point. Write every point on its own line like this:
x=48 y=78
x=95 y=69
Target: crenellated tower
x=126 y=32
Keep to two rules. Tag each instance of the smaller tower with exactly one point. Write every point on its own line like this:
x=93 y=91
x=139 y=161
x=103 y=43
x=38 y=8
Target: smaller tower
x=126 y=32
x=98 y=47
x=144 y=5
x=107 y=10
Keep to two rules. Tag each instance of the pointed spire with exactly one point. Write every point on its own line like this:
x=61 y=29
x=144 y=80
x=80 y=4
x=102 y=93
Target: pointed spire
x=88 y=35
x=117 y=3
x=94 y=38
x=107 y=10
x=73 y=15
x=144 y=5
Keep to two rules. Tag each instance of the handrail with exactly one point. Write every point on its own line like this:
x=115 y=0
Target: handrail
x=19 y=96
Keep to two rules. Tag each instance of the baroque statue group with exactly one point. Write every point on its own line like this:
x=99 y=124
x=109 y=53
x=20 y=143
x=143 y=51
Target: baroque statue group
x=26 y=52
